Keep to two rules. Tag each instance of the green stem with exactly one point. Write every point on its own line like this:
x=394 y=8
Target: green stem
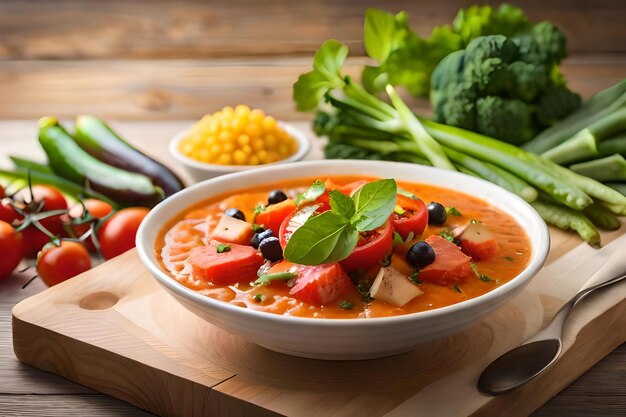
x=610 y=168
x=566 y=218
x=613 y=145
x=602 y=217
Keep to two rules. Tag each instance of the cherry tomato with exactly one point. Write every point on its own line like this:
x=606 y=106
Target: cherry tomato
x=8 y=213
x=273 y=215
x=296 y=218
x=35 y=239
x=371 y=249
x=347 y=189
x=11 y=248
x=96 y=208
x=56 y=264
x=414 y=219
x=117 y=234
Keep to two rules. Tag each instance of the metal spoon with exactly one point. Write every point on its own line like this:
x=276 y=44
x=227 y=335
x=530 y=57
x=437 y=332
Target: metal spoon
x=520 y=365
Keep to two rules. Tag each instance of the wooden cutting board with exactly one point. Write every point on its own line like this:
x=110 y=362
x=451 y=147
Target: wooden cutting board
x=115 y=330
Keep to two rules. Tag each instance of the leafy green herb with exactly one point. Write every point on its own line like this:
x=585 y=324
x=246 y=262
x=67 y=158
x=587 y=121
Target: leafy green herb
x=346 y=305
x=485 y=278
x=453 y=211
x=457 y=289
x=414 y=278
x=447 y=235
x=397 y=239
x=406 y=193
x=315 y=190
x=509 y=258
x=333 y=235
x=341 y=204
x=474 y=268
x=221 y=248
x=259 y=208
x=258 y=297
x=374 y=202
x=266 y=279
x=257 y=228
x=362 y=283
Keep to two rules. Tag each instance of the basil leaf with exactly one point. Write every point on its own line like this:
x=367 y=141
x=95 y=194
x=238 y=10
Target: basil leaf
x=324 y=238
x=314 y=191
x=374 y=203
x=378 y=33
x=341 y=204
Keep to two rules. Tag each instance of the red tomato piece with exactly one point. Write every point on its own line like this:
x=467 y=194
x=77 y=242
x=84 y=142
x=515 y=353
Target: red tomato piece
x=321 y=284
x=414 y=219
x=274 y=214
x=371 y=249
x=347 y=189
x=56 y=264
x=296 y=219
x=11 y=248
x=239 y=264
x=451 y=266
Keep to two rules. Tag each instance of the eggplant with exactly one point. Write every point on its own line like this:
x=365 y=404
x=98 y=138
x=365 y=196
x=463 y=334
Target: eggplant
x=71 y=162
x=95 y=137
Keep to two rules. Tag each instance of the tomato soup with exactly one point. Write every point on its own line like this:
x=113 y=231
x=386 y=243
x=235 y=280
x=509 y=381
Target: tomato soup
x=195 y=249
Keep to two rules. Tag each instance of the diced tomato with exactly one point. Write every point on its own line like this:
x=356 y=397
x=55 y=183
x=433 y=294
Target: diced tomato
x=239 y=264
x=273 y=215
x=414 y=219
x=321 y=284
x=477 y=241
x=450 y=266
x=232 y=230
x=296 y=219
x=371 y=249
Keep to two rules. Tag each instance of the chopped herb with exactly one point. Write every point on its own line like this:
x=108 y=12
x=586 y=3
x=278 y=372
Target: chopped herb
x=258 y=297
x=256 y=228
x=266 y=279
x=453 y=211
x=346 y=305
x=474 y=221
x=221 y=248
x=397 y=239
x=386 y=261
x=362 y=283
x=485 y=278
x=447 y=235
x=414 y=278
x=406 y=193
x=457 y=289
x=314 y=191
x=509 y=258
x=259 y=208
x=399 y=210
x=474 y=268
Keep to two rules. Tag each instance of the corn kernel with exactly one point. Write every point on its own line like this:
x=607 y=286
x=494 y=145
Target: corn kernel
x=257 y=144
x=247 y=149
x=225 y=159
x=243 y=140
x=253 y=160
x=242 y=110
x=269 y=123
x=262 y=155
x=229 y=147
x=257 y=115
x=239 y=157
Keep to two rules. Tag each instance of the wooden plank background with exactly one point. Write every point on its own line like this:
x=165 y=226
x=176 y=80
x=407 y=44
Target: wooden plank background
x=163 y=60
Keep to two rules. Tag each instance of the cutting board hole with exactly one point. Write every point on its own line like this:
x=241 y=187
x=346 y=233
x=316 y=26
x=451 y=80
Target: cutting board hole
x=99 y=301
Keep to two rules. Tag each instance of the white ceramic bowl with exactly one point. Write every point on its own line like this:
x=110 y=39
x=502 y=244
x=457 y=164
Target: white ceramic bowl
x=201 y=171
x=344 y=338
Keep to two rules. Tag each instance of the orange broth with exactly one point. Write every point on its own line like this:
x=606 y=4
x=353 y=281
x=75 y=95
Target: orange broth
x=192 y=226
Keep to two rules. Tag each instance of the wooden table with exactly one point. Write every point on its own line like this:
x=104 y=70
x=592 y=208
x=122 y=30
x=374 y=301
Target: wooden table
x=153 y=60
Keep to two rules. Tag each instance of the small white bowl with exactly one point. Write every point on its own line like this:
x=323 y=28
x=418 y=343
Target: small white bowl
x=201 y=171
x=343 y=339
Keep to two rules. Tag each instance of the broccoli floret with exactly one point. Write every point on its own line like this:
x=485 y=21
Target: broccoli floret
x=556 y=103
x=508 y=119
x=507 y=88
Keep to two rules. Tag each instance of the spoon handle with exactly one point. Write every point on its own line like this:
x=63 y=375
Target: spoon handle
x=554 y=329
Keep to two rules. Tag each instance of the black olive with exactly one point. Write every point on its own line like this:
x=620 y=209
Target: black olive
x=420 y=255
x=258 y=237
x=276 y=196
x=457 y=241
x=236 y=213
x=436 y=214
x=271 y=249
